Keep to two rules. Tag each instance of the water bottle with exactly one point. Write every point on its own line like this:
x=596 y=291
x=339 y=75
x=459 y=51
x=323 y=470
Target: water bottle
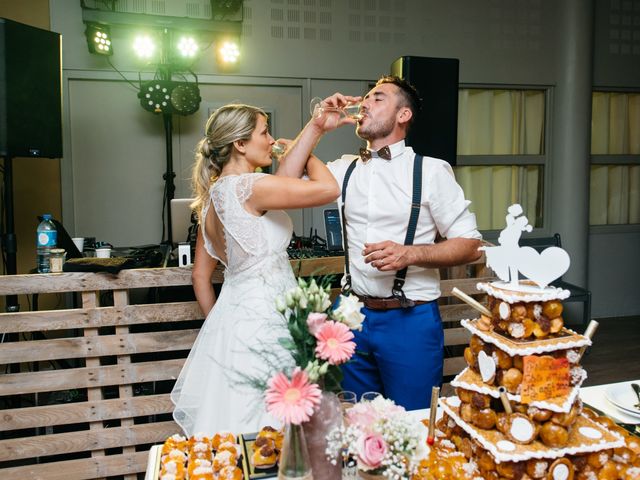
x=46 y=238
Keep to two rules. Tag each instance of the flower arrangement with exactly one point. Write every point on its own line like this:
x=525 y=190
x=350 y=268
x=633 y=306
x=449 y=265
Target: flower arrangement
x=321 y=340
x=383 y=438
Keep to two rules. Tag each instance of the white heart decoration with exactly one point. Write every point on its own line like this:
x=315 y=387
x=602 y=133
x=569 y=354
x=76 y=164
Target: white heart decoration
x=543 y=268
x=487 y=366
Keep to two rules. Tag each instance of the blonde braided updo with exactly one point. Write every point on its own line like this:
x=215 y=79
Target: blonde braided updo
x=226 y=125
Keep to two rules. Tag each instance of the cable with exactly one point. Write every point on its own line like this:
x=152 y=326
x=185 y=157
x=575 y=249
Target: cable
x=122 y=75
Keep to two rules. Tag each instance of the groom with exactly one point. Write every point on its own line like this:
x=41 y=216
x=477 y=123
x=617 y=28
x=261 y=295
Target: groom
x=399 y=351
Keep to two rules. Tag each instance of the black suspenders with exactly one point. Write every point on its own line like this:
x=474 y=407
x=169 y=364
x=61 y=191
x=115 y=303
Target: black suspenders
x=416 y=198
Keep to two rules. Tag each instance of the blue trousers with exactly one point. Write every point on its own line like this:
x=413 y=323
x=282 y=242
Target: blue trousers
x=399 y=353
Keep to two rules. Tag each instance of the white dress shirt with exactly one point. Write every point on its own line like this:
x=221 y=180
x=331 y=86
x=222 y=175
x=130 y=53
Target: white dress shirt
x=378 y=206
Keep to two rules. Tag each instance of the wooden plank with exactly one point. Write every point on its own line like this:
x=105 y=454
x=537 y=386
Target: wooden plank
x=315 y=267
x=99 y=317
x=468 y=285
x=454 y=365
x=97 y=346
x=121 y=300
x=80 y=412
x=89 y=300
x=90 y=377
x=456 y=336
x=450 y=313
x=86 y=282
x=82 y=469
x=86 y=440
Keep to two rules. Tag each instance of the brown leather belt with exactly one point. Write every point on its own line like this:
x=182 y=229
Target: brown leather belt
x=389 y=303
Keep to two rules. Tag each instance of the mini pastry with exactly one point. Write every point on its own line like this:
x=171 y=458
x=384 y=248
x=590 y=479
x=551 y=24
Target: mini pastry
x=264 y=458
x=199 y=438
x=268 y=432
x=230 y=473
x=202 y=473
x=223 y=459
x=197 y=463
x=521 y=429
x=222 y=437
x=200 y=450
x=561 y=469
x=536 y=468
x=231 y=447
x=176 y=441
x=174 y=455
x=553 y=435
x=263 y=441
x=174 y=468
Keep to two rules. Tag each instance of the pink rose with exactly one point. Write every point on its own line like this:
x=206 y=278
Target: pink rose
x=371 y=451
x=314 y=321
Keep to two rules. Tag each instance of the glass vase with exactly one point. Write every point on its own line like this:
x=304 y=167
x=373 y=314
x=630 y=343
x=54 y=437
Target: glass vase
x=294 y=461
x=327 y=416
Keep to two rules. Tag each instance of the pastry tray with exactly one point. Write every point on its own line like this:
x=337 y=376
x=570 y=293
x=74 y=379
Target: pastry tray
x=470 y=380
x=565 y=340
x=585 y=436
x=250 y=472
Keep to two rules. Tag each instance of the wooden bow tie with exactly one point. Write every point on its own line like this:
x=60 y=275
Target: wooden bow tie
x=384 y=152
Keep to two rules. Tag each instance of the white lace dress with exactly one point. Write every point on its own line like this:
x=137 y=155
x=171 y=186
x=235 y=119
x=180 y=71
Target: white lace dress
x=211 y=394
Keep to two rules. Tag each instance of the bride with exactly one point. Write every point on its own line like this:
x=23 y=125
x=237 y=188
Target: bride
x=242 y=226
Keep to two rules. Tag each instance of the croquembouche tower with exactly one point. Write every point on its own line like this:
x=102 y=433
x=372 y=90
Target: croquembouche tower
x=517 y=412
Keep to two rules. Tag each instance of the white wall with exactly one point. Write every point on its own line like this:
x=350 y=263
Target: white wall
x=293 y=50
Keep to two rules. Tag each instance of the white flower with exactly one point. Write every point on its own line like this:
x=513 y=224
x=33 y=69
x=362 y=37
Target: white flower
x=280 y=305
x=348 y=312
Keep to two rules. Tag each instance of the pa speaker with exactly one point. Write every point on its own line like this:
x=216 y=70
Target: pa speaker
x=435 y=132
x=30 y=99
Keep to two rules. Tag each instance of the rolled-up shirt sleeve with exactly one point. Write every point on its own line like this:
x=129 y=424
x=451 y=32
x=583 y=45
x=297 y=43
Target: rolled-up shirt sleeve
x=446 y=202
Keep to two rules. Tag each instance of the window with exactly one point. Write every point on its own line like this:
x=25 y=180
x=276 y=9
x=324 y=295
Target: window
x=615 y=158
x=501 y=152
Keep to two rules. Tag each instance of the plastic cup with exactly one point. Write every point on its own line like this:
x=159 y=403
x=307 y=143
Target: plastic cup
x=79 y=243
x=369 y=396
x=103 y=252
x=347 y=400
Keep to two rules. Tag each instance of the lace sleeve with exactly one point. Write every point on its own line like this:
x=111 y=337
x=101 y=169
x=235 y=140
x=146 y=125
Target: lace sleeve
x=244 y=186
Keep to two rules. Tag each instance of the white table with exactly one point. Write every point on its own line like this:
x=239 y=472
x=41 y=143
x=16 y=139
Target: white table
x=596 y=398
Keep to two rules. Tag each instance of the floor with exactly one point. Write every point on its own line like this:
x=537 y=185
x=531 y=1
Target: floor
x=615 y=353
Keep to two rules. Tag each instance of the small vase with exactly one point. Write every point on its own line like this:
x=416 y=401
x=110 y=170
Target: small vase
x=294 y=461
x=369 y=476
x=327 y=416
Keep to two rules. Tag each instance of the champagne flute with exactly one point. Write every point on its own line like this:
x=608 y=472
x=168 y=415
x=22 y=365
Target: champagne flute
x=277 y=149
x=351 y=110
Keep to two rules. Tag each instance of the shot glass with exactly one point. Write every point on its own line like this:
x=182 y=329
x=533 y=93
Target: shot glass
x=369 y=396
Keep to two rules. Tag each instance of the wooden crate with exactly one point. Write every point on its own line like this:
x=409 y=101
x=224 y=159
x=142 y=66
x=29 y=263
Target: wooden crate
x=85 y=391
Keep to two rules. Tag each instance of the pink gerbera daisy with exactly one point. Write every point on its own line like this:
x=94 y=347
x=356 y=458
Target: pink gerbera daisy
x=334 y=343
x=292 y=401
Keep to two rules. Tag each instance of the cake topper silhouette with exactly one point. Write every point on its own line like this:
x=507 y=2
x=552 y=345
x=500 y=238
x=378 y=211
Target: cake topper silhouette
x=509 y=259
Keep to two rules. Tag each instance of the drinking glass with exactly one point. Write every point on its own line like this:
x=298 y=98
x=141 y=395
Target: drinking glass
x=277 y=149
x=351 y=110
x=369 y=396
x=347 y=400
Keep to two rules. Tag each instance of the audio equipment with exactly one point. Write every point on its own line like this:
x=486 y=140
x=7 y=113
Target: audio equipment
x=435 y=132
x=30 y=98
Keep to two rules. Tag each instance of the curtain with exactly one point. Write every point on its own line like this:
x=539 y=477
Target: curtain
x=501 y=122
x=615 y=130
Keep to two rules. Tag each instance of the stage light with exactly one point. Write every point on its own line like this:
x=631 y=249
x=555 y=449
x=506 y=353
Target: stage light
x=144 y=46
x=228 y=53
x=169 y=97
x=99 y=39
x=187 y=47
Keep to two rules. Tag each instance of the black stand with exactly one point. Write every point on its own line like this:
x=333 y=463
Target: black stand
x=169 y=175
x=9 y=244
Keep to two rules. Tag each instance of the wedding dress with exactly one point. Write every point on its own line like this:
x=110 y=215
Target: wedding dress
x=239 y=338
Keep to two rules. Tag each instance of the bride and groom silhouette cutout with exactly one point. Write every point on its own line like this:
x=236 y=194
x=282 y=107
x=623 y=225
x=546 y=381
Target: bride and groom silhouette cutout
x=509 y=259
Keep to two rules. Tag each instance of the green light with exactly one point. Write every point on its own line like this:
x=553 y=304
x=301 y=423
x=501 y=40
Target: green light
x=144 y=46
x=99 y=39
x=187 y=47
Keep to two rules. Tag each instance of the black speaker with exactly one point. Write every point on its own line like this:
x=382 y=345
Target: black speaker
x=30 y=99
x=435 y=132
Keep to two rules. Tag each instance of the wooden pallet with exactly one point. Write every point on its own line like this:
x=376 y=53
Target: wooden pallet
x=86 y=389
